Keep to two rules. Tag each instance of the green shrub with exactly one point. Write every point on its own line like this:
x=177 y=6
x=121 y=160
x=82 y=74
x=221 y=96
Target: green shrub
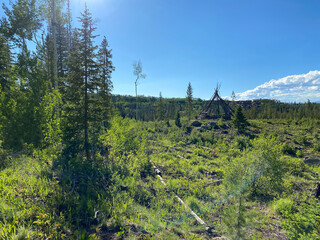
x=299 y=154
x=302 y=139
x=284 y=206
x=304 y=223
x=316 y=146
x=295 y=166
x=195 y=137
x=268 y=167
x=3 y=157
x=287 y=149
x=193 y=203
x=242 y=142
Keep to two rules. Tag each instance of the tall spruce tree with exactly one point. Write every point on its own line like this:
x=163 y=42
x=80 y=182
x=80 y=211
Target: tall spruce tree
x=5 y=63
x=88 y=89
x=89 y=69
x=177 y=120
x=105 y=84
x=172 y=109
x=62 y=49
x=161 y=110
x=73 y=123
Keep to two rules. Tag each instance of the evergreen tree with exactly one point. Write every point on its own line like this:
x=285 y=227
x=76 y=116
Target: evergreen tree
x=89 y=70
x=233 y=96
x=177 y=121
x=189 y=100
x=62 y=50
x=104 y=85
x=87 y=90
x=172 y=110
x=73 y=123
x=239 y=120
x=161 y=110
x=5 y=63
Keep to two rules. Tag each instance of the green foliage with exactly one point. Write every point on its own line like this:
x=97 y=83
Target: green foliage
x=193 y=203
x=122 y=136
x=304 y=222
x=316 y=146
x=120 y=187
x=261 y=109
x=287 y=149
x=269 y=166
x=234 y=219
x=239 y=121
x=302 y=139
x=59 y=97
x=161 y=111
x=26 y=108
x=50 y=123
x=29 y=208
x=284 y=206
x=295 y=166
x=148 y=106
x=87 y=107
x=178 y=121
x=243 y=142
x=4 y=157
x=273 y=109
x=24 y=19
x=299 y=154
x=5 y=63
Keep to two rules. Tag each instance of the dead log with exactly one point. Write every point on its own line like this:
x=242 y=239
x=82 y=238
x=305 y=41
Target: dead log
x=181 y=201
x=214 y=182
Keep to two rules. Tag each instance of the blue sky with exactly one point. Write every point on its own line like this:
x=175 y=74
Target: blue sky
x=239 y=44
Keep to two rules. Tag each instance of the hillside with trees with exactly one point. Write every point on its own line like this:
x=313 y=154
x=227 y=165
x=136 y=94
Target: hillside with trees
x=256 y=109
x=77 y=162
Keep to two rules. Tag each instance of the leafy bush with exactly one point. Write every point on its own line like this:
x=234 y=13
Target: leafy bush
x=302 y=138
x=242 y=142
x=3 y=157
x=287 y=149
x=316 y=146
x=299 y=154
x=195 y=137
x=193 y=203
x=303 y=223
x=295 y=166
x=269 y=166
x=284 y=206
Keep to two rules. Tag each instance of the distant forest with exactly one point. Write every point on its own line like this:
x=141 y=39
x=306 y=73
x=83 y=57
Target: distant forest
x=148 y=108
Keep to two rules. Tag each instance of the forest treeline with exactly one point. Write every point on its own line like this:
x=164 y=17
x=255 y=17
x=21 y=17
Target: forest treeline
x=148 y=108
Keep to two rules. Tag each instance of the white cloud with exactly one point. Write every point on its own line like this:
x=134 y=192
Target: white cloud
x=294 y=88
x=313 y=88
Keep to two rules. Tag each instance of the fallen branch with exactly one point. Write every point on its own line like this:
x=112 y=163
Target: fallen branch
x=179 y=199
x=214 y=182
